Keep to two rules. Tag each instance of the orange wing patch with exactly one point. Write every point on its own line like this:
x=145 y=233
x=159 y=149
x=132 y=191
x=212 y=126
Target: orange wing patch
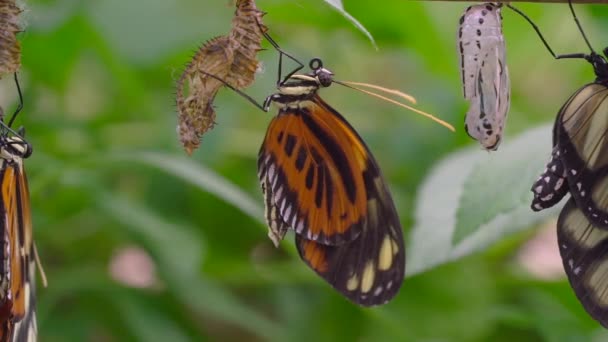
x=314 y=163
x=314 y=254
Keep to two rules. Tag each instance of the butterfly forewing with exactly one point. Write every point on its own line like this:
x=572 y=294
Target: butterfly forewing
x=552 y=185
x=584 y=250
x=18 y=272
x=485 y=76
x=313 y=162
x=581 y=134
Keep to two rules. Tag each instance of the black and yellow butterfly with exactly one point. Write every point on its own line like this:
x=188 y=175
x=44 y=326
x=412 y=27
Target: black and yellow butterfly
x=17 y=250
x=579 y=166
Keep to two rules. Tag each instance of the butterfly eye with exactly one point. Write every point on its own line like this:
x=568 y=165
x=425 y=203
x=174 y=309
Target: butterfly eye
x=325 y=77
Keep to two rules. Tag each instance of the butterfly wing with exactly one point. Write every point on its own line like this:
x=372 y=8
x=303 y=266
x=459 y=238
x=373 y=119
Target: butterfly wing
x=584 y=250
x=313 y=165
x=581 y=131
x=326 y=185
x=370 y=269
x=19 y=266
x=551 y=186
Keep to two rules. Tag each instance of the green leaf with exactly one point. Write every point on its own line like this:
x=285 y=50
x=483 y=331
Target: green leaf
x=337 y=4
x=178 y=255
x=472 y=199
x=185 y=254
x=148 y=323
x=204 y=179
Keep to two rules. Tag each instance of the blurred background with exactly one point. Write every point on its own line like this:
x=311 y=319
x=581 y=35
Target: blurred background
x=142 y=243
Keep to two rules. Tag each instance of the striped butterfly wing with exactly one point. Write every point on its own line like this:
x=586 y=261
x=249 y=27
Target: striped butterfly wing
x=552 y=185
x=582 y=130
x=584 y=250
x=313 y=163
x=18 y=266
x=485 y=76
x=321 y=181
x=370 y=269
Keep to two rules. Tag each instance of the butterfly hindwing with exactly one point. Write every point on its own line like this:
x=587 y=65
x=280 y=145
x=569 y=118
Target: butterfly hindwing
x=584 y=250
x=370 y=269
x=582 y=132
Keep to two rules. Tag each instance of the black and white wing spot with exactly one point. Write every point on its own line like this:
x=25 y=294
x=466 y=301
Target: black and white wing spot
x=551 y=186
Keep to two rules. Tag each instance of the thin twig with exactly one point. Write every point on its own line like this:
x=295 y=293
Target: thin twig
x=535 y=1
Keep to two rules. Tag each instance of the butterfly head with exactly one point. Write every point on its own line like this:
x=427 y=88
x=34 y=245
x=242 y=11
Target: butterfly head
x=600 y=65
x=307 y=84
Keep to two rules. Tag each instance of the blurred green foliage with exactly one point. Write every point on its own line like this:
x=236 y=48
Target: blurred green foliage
x=108 y=173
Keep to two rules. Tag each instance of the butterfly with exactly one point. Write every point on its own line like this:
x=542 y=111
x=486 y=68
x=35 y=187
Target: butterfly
x=321 y=180
x=19 y=257
x=579 y=166
x=484 y=73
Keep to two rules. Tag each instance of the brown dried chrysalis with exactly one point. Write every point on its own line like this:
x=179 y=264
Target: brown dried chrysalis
x=10 y=49
x=231 y=58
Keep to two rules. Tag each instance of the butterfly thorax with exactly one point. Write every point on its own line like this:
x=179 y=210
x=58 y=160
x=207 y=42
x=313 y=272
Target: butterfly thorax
x=13 y=148
x=301 y=88
x=600 y=66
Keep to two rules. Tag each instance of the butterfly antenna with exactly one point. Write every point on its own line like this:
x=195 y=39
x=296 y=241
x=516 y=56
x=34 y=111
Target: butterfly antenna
x=382 y=97
x=580 y=28
x=395 y=92
x=20 y=107
x=535 y=27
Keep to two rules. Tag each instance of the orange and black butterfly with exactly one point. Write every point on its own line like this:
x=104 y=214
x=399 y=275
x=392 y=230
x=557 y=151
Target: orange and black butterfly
x=18 y=253
x=320 y=180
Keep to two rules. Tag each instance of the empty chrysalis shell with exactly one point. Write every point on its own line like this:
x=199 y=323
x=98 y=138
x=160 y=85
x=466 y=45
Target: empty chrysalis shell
x=484 y=73
x=231 y=58
x=196 y=91
x=10 y=49
x=245 y=40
